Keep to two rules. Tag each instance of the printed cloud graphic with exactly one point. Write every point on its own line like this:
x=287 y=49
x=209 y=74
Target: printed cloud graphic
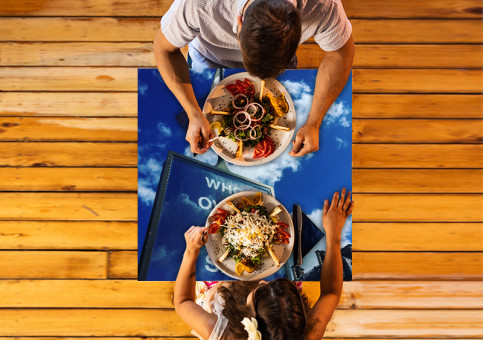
x=338 y=113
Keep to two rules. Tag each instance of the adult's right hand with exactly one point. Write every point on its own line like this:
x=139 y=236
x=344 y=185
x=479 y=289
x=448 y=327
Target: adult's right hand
x=335 y=214
x=199 y=133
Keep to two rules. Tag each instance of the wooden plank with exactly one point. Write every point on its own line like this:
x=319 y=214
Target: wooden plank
x=39 y=154
x=67 y=235
x=417 y=236
x=417 y=106
x=353 y=8
x=68 y=79
x=418 y=208
x=416 y=81
x=424 y=131
x=414 y=31
x=52 y=265
x=380 y=31
x=43 y=154
x=146 y=322
x=417 y=181
x=124 y=179
x=412 y=9
x=367 y=266
x=68 y=104
x=394 y=56
x=68 y=179
x=79 y=29
x=77 y=54
x=123 y=265
x=416 y=156
x=68 y=206
x=309 y=55
x=68 y=129
x=416 y=265
x=125 y=79
x=141 y=294
x=125 y=104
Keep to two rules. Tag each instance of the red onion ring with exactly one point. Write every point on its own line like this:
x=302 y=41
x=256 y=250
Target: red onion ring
x=246 y=122
x=235 y=98
x=252 y=114
x=254 y=128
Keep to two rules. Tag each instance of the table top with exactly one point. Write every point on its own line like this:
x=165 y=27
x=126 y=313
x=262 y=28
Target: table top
x=306 y=181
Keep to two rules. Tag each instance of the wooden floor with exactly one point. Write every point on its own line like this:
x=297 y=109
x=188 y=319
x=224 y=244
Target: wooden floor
x=68 y=177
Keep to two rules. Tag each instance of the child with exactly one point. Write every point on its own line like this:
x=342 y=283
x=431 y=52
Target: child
x=264 y=310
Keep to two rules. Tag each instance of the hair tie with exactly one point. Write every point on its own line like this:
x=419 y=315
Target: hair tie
x=251 y=326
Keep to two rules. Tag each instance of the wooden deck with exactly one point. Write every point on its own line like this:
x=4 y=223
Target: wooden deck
x=68 y=177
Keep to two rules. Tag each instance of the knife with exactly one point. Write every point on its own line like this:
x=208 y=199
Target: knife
x=298 y=224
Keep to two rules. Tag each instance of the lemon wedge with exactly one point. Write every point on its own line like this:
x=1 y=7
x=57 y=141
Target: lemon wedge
x=216 y=126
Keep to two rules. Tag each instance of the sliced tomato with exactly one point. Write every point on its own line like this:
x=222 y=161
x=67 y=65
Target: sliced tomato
x=282 y=224
x=251 y=88
x=283 y=234
x=260 y=149
x=270 y=148
x=223 y=213
x=213 y=228
x=232 y=88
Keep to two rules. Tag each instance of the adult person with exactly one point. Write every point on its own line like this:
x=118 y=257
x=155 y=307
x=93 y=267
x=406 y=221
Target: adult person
x=262 y=36
x=265 y=310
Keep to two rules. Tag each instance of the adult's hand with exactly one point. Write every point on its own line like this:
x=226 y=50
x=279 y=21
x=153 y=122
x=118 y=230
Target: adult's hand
x=199 y=133
x=306 y=141
x=335 y=214
x=196 y=238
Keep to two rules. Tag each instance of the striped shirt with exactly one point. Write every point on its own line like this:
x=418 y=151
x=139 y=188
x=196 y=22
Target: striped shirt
x=210 y=28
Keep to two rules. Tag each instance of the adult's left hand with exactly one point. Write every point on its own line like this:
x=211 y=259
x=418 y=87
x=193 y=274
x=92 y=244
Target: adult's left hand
x=306 y=141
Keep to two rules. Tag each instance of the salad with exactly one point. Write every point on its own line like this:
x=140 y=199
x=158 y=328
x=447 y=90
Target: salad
x=248 y=232
x=249 y=117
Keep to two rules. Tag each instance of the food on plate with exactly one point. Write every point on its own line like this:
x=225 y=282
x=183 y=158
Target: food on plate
x=248 y=231
x=249 y=117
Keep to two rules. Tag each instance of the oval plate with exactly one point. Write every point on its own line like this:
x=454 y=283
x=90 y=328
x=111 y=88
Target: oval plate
x=219 y=98
x=266 y=267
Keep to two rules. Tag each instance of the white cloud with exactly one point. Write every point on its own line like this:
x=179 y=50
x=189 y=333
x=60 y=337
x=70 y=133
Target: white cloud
x=162 y=254
x=142 y=88
x=185 y=199
x=209 y=157
x=164 y=130
x=338 y=113
x=341 y=143
x=302 y=96
x=346 y=233
x=271 y=172
x=146 y=194
x=206 y=73
x=296 y=88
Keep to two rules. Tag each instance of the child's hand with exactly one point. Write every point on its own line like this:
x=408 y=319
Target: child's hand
x=196 y=238
x=334 y=216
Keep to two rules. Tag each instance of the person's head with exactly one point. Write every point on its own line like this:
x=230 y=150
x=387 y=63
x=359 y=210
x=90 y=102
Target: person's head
x=280 y=309
x=269 y=35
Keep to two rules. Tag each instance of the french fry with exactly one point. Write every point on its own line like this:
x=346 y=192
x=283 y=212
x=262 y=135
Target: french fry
x=216 y=112
x=239 y=150
x=278 y=127
x=223 y=257
x=274 y=258
x=262 y=87
x=231 y=205
x=275 y=211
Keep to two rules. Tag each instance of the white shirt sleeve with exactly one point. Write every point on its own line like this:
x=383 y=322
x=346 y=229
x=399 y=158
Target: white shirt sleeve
x=335 y=30
x=180 y=25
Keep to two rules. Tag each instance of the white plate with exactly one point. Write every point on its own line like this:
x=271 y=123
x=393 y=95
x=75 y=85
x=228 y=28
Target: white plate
x=219 y=98
x=266 y=267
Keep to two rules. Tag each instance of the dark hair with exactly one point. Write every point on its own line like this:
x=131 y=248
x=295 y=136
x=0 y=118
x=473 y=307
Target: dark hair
x=280 y=310
x=235 y=295
x=269 y=37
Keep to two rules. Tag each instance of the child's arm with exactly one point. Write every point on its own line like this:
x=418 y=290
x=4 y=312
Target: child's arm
x=184 y=290
x=331 y=279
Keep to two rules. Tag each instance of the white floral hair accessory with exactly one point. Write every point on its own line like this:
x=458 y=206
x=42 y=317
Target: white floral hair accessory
x=251 y=326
